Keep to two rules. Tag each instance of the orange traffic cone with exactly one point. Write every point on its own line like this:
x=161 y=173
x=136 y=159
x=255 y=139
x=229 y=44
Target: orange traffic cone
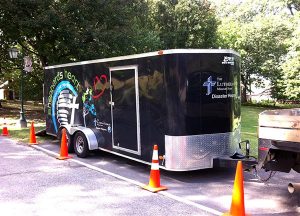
x=32 y=138
x=154 y=182
x=237 y=204
x=4 y=130
x=64 y=147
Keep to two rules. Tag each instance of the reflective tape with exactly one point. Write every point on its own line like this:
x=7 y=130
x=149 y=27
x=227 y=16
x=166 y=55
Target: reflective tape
x=155 y=155
x=155 y=166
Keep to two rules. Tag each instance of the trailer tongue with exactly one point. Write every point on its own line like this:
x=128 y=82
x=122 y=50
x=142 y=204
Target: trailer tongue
x=185 y=101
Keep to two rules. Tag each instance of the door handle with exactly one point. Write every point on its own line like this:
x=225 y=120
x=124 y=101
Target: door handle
x=112 y=103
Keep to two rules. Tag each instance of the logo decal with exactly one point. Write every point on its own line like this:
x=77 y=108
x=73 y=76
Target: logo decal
x=228 y=60
x=64 y=103
x=88 y=104
x=100 y=81
x=209 y=84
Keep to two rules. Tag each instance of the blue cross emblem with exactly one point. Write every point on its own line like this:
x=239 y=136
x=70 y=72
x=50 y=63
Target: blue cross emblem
x=209 y=84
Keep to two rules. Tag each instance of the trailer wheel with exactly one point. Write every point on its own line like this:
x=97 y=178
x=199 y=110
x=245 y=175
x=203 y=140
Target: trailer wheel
x=81 y=145
x=69 y=140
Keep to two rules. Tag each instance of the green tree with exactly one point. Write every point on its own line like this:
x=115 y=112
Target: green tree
x=184 y=23
x=290 y=82
x=73 y=30
x=60 y=31
x=259 y=30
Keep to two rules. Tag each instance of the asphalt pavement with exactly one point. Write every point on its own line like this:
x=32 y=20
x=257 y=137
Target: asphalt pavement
x=35 y=183
x=208 y=189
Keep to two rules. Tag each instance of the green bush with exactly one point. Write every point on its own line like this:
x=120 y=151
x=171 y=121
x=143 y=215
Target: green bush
x=271 y=104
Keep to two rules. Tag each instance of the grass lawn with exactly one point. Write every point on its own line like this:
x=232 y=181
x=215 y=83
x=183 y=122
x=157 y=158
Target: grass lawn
x=10 y=113
x=250 y=126
x=34 y=112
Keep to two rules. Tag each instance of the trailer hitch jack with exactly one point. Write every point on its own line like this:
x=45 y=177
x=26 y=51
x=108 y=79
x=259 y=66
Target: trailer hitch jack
x=247 y=142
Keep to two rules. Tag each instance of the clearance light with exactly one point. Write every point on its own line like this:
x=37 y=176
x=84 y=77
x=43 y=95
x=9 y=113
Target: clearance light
x=160 y=52
x=263 y=148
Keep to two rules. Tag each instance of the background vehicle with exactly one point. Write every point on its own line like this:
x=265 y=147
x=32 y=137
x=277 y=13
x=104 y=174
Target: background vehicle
x=279 y=140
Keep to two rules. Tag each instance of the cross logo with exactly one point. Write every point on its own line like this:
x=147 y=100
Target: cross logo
x=209 y=84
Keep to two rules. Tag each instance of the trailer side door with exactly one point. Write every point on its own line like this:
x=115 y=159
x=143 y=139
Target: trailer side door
x=125 y=109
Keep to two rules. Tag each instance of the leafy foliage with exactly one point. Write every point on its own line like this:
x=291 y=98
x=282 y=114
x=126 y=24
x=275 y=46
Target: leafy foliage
x=265 y=33
x=261 y=31
x=290 y=84
x=60 y=31
x=184 y=24
x=54 y=32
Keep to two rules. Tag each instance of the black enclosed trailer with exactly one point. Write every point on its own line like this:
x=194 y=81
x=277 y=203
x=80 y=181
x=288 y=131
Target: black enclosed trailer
x=186 y=101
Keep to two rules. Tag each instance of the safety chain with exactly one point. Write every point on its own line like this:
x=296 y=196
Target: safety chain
x=272 y=173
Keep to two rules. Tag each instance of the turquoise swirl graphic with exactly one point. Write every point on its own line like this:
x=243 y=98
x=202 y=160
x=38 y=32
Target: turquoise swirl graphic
x=61 y=86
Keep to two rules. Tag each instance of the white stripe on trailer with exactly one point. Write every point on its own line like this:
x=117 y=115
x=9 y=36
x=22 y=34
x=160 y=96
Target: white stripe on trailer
x=63 y=105
x=65 y=91
x=62 y=111
x=64 y=100
x=65 y=95
x=62 y=119
x=143 y=55
x=60 y=115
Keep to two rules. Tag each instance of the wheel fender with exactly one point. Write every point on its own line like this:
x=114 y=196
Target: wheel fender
x=67 y=127
x=94 y=137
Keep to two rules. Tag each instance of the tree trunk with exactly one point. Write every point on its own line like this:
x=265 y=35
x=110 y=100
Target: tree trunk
x=244 y=95
x=243 y=89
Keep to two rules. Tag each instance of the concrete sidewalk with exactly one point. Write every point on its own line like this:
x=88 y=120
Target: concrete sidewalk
x=34 y=183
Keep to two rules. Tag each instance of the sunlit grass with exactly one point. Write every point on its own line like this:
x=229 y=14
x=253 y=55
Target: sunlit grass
x=250 y=126
x=9 y=116
x=34 y=113
x=23 y=134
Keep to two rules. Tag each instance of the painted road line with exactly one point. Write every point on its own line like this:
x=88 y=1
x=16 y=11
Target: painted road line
x=188 y=202
x=90 y=166
x=164 y=193
x=51 y=153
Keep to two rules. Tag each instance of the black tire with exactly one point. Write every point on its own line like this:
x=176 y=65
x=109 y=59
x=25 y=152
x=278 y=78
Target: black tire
x=81 y=145
x=69 y=140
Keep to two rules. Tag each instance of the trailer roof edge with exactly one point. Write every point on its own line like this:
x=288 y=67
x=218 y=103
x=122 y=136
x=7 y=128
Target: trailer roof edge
x=142 y=55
